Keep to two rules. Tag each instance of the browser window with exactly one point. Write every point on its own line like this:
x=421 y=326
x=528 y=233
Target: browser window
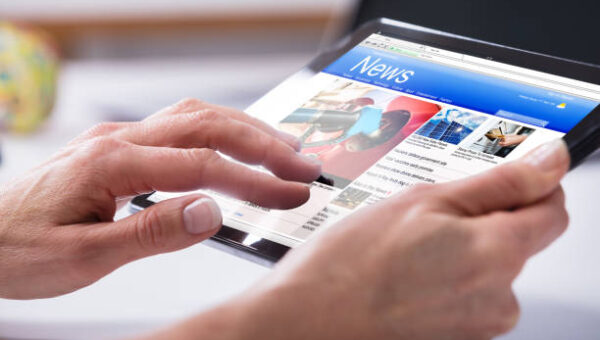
x=391 y=113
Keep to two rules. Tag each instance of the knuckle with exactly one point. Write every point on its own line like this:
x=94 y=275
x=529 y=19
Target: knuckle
x=427 y=204
x=91 y=162
x=508 y=315
x=148 y=231
x=417 y=209
x=93 y=150
x=101 y=129
x=202 y=160
x=210 y=116
x=209 y=123
x=104 y=128
x=205 y=155
x=104 y=144
x=188 y=102
x=84 y=249
x=271 y=147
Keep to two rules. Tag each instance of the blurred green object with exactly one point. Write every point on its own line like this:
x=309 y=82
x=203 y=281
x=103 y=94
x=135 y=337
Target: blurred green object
x=28 y=71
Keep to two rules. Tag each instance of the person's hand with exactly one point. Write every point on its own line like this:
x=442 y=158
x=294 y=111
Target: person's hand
x=510 y=140
x=435 y=262
x=57 y=232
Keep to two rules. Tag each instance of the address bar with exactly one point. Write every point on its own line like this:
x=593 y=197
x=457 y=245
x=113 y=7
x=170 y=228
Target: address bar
x=501 y=70
x=504 y=74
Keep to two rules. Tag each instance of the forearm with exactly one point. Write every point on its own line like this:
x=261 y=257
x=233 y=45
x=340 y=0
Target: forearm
x=224 y=322
x=284 y=312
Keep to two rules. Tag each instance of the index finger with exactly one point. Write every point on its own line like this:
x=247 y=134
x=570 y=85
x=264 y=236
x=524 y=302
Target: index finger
x=130 y=169
x=208 y=129
x=190 y=105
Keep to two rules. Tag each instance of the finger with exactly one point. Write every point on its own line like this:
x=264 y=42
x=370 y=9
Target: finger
x=99 y=130
x=216 y=131
x=511 y=185
x=129 y=169
x=530 y=229
x=164 y=227
x=190 y=105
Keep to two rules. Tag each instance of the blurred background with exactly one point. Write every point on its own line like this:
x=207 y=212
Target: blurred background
x=124 y=59
x=66 y=65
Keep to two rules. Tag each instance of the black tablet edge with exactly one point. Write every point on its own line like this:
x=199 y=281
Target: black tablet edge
x=584 y=138
x=263 y=251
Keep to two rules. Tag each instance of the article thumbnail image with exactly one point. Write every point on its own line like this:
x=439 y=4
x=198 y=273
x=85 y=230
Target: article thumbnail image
x=351 y=198
x=351 y=126
x=501 y=138
x=451 y=126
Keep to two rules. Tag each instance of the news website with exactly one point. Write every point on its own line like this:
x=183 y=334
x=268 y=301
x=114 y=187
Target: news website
x=391 y=113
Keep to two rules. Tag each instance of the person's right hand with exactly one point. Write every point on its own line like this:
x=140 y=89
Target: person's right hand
x=435 y=262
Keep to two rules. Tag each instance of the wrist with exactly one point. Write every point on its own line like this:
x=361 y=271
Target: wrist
x=298 y=308
x=291 y=310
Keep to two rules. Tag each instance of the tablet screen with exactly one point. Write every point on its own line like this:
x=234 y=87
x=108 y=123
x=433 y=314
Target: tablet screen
x=391 y=113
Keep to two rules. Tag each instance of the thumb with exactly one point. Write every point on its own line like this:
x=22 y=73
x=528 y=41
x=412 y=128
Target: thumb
x=166 y=226
x=514 y=184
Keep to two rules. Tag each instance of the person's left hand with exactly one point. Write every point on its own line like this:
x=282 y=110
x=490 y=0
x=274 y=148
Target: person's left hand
x=57 y=232
x=432 y=262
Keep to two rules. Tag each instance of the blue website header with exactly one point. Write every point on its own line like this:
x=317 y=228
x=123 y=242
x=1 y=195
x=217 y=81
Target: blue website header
x=474 y=91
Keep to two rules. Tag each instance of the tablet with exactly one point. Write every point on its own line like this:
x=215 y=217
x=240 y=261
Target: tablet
x=396 y=104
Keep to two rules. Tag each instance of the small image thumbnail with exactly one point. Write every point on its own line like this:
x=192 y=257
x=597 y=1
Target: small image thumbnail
x=501 y=138
x=351 y=198
x=451 y=125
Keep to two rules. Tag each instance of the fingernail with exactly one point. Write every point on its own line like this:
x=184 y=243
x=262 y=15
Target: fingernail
x=201 y=216
x=292 y=140
x=549 y=156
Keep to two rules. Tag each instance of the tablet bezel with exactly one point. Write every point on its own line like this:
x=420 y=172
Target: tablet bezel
x=582 y=140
